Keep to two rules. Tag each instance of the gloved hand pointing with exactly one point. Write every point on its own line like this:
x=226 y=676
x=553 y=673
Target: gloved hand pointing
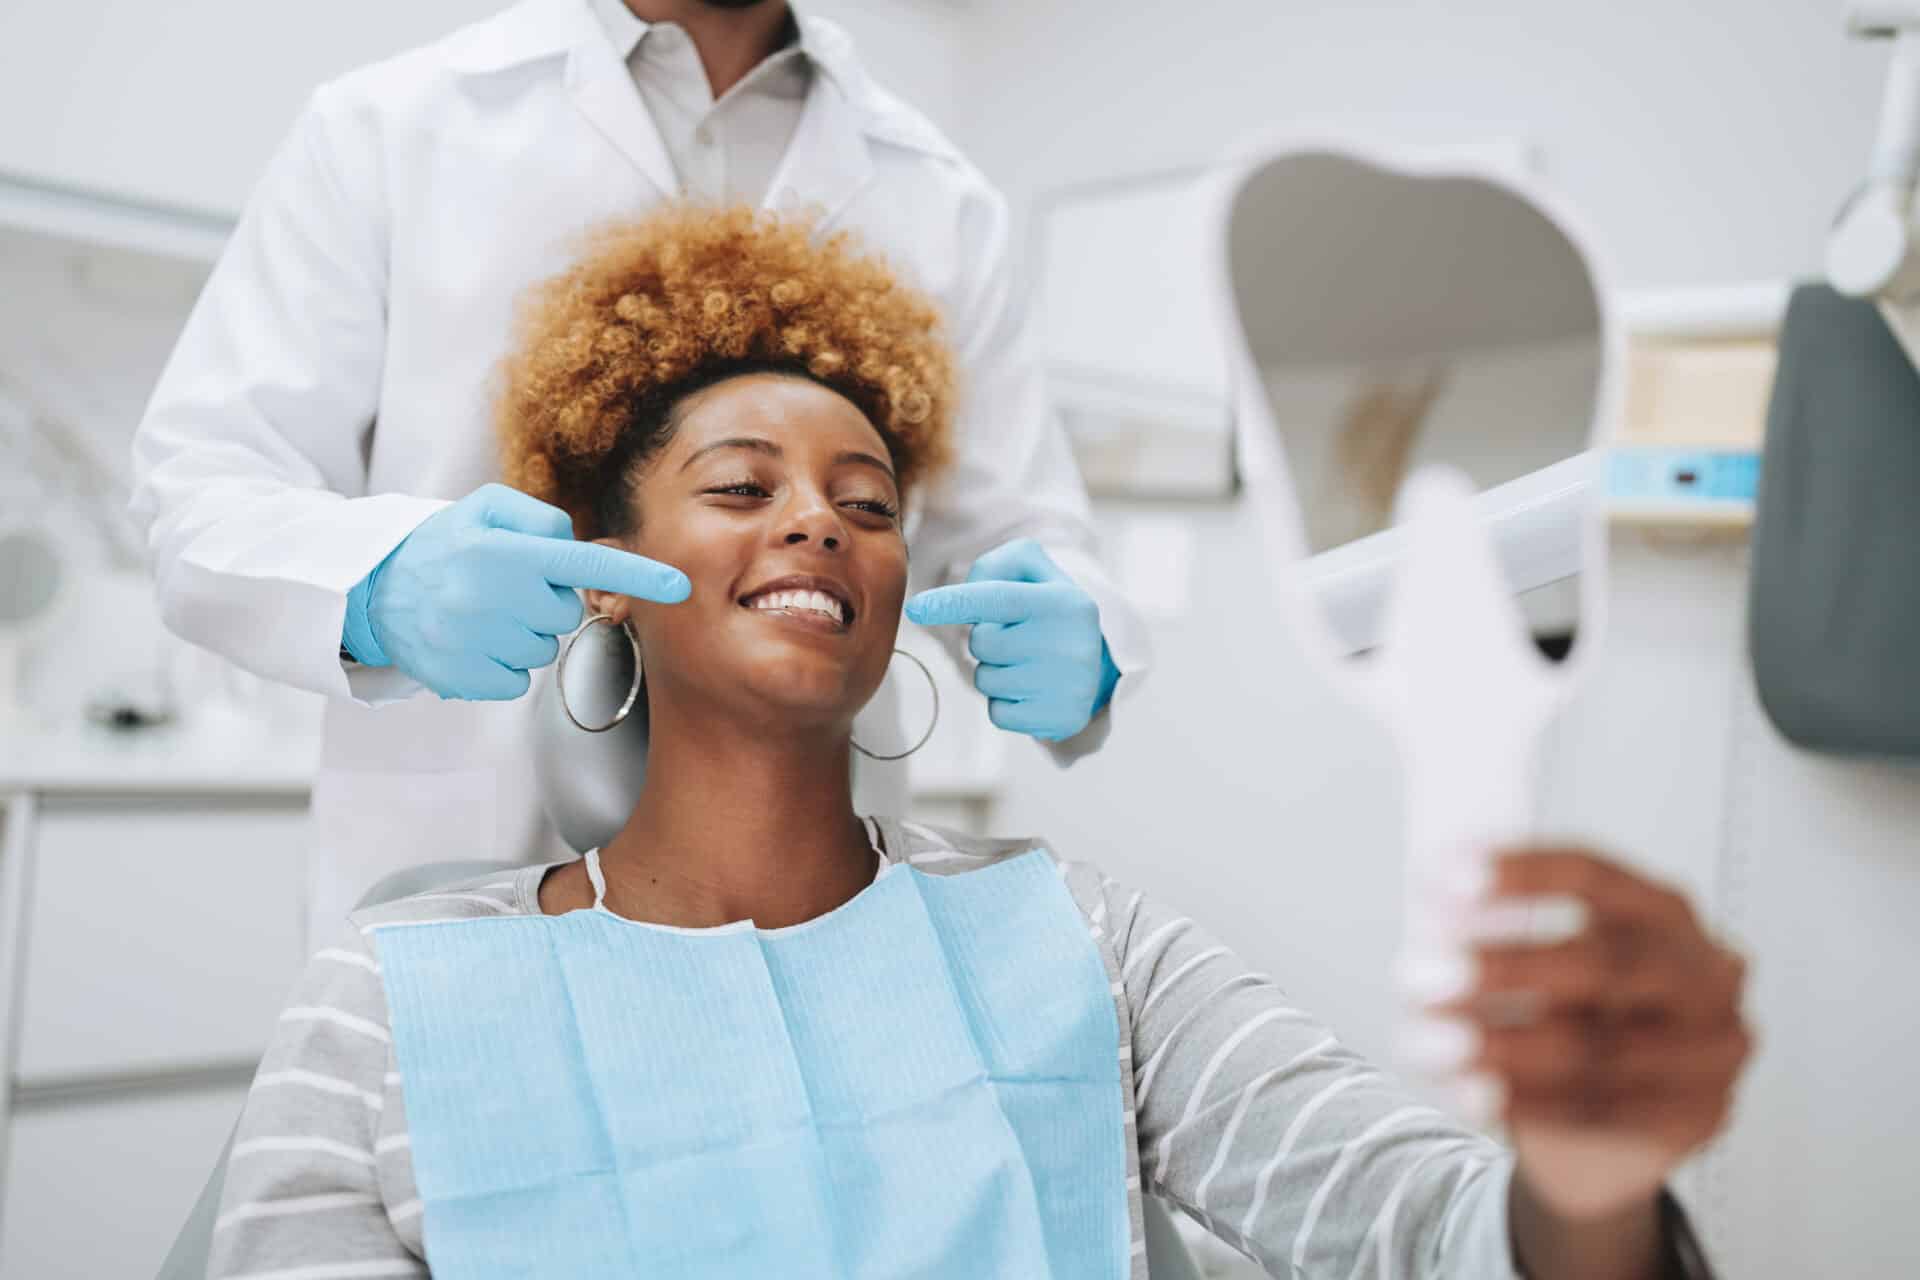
x=478 y=595
x=1044 y=665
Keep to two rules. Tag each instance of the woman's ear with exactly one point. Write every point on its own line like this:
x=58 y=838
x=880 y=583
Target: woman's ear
x=609 y=603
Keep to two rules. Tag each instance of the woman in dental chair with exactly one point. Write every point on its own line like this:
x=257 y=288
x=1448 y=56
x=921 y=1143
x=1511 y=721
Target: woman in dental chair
x=759 y=1035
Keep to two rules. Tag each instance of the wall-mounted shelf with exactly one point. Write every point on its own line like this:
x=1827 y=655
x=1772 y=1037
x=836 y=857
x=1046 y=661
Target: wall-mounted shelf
x=1699 y=377
x=111 y=221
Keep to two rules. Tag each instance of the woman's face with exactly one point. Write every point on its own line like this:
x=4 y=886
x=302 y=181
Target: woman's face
x=776 y=498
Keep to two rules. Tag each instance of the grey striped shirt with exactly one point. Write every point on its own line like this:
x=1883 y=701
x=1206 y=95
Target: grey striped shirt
x=1241 y=1110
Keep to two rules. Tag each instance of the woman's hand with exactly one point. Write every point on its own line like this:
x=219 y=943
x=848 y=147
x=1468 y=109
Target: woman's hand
x=1617 y=1048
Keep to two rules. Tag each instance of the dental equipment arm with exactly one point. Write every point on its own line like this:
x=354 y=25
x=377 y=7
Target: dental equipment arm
x=1873 y=251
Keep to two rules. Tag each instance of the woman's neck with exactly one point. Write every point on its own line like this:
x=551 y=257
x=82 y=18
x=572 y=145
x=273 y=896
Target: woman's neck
x=735 y=826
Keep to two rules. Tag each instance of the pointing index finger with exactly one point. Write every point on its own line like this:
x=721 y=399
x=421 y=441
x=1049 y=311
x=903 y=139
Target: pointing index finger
x=971 y=603
x=593 y=566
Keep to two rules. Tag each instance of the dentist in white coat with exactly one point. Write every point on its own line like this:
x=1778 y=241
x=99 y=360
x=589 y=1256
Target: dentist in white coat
x=312 y=471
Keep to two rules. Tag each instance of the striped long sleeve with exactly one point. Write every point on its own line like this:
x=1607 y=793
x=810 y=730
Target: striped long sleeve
x=321 y=1151
x=1254 y=1119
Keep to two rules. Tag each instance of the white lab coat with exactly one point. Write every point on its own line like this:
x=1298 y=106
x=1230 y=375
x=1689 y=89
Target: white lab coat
x=333 y=386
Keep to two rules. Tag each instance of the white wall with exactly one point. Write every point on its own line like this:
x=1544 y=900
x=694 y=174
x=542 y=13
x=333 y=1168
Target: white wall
x=1706 y=142
x=1812 y=864
x=182 y=102
x=1742 y=125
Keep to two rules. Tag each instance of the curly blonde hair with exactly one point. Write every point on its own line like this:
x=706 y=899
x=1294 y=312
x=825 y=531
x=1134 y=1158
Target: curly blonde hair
x=685 y=297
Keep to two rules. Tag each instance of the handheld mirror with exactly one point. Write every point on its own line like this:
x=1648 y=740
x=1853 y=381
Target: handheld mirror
x=1424 y=359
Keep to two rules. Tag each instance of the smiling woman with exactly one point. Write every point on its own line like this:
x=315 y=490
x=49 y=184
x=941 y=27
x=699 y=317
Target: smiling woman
x=758 y=1035
x=723 y=392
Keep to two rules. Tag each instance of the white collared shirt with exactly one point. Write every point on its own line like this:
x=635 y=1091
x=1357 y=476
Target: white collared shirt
x=724 y=151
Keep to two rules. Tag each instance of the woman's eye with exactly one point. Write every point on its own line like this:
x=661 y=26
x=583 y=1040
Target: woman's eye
x=875 y=506
x=740 y=489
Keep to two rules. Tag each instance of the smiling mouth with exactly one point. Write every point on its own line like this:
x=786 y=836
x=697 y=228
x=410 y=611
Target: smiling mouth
x=802 y=604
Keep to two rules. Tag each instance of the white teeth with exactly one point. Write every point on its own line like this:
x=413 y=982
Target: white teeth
x=814 y=601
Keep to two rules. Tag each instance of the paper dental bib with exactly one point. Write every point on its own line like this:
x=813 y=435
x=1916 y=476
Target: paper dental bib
x=924 y=1082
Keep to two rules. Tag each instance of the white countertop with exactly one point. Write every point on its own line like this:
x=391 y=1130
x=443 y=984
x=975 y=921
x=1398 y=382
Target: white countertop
x=222 y=751
x=228 y=754
x=213 y=751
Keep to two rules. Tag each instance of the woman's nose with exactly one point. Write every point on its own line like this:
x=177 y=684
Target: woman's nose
x=813 y=520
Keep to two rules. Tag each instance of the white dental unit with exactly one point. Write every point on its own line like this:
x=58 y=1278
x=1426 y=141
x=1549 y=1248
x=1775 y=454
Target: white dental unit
x=1874 y=249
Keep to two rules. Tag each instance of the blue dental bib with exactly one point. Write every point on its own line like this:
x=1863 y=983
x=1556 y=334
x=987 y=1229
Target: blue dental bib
x=924 y=1082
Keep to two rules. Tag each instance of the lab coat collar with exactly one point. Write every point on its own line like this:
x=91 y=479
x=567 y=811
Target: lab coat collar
x=600 y=84
x=533 y=30
x=525 y=33
x=876 y=112
x=828 y=161
x=623 y=27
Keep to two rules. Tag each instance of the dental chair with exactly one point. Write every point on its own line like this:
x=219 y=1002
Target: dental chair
x=193 y=1247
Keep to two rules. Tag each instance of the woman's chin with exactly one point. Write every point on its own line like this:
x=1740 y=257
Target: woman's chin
x=803 y=697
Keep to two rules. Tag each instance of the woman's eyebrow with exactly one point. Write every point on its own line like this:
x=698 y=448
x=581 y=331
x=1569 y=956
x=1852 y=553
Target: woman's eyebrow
x=866 y=460
x=755 y=443
x=760 y=445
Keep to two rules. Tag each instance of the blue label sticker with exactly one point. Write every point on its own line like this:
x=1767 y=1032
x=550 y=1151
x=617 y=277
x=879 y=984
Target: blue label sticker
x=1682 y=475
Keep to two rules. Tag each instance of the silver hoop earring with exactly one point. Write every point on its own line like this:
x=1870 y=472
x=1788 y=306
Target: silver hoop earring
x=633 y=690
x=932 y=688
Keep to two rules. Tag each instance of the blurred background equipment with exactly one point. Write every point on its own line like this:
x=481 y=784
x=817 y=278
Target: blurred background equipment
x=1132 y=347
x=1834 y=611
x=30 y=582
x=1873 y=251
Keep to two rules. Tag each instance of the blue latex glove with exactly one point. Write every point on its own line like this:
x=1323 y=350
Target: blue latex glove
x=1044 y=665
x=478 y=595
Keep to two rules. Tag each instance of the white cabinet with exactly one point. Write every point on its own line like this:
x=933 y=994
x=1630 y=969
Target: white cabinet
x=162 y=934
x=149 y=936
x=97 y=1186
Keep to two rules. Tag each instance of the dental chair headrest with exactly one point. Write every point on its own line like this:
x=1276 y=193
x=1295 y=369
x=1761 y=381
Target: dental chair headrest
x=589 y=782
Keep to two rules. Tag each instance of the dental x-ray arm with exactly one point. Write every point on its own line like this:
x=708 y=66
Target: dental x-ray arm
x=1874 y=250
x=1535 y=524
